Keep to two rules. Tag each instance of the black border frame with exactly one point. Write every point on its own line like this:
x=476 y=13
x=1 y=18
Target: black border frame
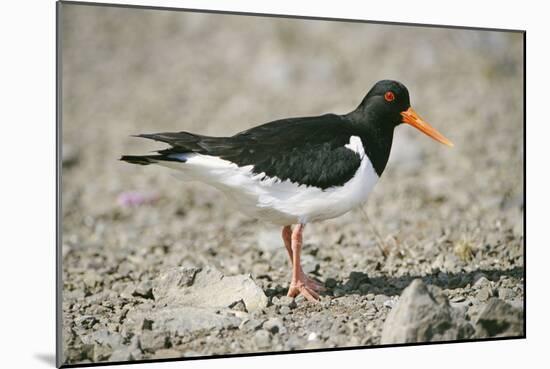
x=58 y=172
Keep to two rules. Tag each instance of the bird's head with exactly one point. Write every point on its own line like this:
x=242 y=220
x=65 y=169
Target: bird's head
x=388 y=103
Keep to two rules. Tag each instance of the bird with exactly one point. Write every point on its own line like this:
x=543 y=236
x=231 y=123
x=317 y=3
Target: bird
x=294 y=171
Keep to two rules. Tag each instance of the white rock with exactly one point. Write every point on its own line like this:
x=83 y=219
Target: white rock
x=312 y=336
x=208 y=288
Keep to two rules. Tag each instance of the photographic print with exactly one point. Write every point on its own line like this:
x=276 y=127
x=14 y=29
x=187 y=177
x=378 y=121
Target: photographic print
x=240 y=184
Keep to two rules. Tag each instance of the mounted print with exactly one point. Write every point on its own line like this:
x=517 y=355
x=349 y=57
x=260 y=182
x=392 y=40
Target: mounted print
x=241 y=184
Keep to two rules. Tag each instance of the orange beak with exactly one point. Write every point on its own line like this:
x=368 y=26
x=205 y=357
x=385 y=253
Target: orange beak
x=412 y=118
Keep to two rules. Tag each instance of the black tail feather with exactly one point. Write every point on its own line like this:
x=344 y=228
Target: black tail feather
x=181 y=142
x=148 y=159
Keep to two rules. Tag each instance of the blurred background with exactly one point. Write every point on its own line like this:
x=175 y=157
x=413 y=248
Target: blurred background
x=443 y=214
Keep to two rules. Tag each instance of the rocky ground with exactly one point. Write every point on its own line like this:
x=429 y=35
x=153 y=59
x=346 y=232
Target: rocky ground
x=156 y=268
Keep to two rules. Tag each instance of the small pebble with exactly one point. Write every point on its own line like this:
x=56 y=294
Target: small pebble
x=287 y=301
x=484 y=294
x=262 y=339
x=144 y=289
x=274 y=325
x=284 y=310
x=312 y=336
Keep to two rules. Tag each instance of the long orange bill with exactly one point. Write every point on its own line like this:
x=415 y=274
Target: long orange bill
x=412 y=118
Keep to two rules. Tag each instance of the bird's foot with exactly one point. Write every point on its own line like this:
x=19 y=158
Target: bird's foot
x=306 y=286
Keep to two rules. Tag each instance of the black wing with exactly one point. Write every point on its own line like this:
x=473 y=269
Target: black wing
x=309 y=150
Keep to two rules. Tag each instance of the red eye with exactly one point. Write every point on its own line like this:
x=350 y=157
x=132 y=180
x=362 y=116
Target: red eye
x=389 y=96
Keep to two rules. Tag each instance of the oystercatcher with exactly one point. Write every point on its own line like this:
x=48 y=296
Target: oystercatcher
x=297 y=170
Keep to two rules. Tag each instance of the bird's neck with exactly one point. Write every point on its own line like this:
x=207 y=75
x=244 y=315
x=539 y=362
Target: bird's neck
x=377 y=137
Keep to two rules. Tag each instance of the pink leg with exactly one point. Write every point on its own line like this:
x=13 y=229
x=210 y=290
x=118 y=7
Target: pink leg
x=287 y=238
x=300 y=283
x=287 y=234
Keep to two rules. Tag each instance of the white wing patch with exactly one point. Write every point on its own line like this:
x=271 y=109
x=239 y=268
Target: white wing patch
x=280 y=202
x=356 y=145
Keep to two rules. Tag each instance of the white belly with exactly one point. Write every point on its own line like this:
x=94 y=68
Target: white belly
x=275 y=201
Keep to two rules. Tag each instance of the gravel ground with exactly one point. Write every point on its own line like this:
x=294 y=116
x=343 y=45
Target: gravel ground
x=145 y=256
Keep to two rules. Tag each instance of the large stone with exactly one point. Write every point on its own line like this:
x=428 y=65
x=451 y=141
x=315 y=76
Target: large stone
x=190 y=300
x=499 y=319
x=179 y=320
x=423 y=314
x=207 y=288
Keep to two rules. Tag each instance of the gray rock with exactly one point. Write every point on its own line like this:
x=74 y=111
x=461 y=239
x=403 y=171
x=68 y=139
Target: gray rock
x=287 y=301
x=484 y=293
x=153 y=340
x=101 y=352
x=499 y=319
x=100 y=344
x=176 y=277
x=423 y=314
x=136 y=354
x=86 y=321
x=128 y=292
x=179 y=321
x=320 y=322
x=262 y=339
x=91 y=279
x=208 y=288
x=166 y=354
x=122 y=354
x=144 y=289
x=480 y=280
x=284 y=310
x=294 y=342
x=274 y=325
x=125 y=268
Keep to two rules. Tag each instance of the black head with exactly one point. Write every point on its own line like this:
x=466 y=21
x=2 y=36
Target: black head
x=386 y=100
x=387 y=105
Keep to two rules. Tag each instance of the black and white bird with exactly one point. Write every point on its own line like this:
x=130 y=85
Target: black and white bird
x=296 y=171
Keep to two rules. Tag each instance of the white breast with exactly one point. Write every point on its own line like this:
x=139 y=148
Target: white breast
x=280 y=202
